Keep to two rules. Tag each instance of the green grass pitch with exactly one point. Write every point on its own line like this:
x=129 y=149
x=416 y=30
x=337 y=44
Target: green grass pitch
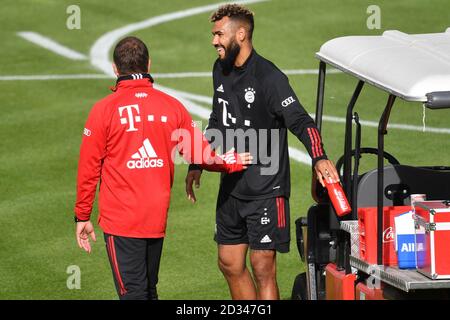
x=41 y=124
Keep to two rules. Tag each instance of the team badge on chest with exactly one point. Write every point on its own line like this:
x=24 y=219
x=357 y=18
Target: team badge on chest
x=249 y=96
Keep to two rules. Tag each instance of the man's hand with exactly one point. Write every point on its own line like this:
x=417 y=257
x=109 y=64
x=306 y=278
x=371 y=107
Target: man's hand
x=191 y=177
x=246 y=159
x=325 y=169
x=237 y=162
x=229 y=157
x=83 y=232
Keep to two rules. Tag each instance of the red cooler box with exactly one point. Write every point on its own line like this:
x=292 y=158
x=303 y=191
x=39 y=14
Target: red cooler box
x=367 y=225
x=339 y=286
x=363 y=292
x=433 y=238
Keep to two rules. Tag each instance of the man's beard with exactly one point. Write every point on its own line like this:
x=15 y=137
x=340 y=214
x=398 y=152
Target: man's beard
x=228 y=60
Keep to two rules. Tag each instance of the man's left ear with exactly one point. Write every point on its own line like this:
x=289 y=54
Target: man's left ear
x=149 y=64
x=116 y=71
x=242 y=34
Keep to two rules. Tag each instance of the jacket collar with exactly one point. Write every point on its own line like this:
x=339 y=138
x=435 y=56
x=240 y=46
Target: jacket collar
x=247 y=62
x=133 y=81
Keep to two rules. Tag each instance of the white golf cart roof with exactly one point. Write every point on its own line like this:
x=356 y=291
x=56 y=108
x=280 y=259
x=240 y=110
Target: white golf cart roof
x=406 y=65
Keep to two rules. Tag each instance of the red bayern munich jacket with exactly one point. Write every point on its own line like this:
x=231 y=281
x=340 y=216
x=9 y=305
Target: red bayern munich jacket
x=129 y=143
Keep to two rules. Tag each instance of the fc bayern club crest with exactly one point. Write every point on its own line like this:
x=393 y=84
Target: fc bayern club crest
x=249 y=95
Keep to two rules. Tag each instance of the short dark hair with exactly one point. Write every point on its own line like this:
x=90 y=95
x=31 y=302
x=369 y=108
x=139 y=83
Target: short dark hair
x=235 y=12
x=131 y=56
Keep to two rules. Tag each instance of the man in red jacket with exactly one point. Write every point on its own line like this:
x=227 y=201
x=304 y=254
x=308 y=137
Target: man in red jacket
x=129 y=144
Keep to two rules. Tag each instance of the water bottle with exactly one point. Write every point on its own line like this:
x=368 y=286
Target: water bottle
x=338 y=198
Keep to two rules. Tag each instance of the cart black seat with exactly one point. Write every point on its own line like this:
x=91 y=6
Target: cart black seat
x=400 y=181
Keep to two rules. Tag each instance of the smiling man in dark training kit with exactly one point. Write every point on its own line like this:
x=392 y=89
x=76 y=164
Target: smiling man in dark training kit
x=253 y=106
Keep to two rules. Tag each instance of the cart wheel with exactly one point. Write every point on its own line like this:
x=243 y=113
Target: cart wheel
x=299 y=290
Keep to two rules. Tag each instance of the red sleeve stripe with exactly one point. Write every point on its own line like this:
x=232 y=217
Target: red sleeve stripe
x=281 y=215
x=318 y=142
x=319 y=146
x=313 y=142
x=112 y=254
x=278 y=210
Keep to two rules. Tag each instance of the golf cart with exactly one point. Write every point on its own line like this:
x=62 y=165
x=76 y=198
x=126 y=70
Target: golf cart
x=352 y=257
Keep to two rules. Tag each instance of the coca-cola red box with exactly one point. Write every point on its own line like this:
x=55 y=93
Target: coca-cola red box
x=367 y=225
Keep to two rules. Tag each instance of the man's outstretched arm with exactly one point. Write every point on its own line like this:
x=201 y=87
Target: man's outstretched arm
x=196 y=149
x=285 y=104
x=193 y=176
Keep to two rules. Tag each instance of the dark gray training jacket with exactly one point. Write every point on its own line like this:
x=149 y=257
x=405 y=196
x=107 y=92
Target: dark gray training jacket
x=253 y=106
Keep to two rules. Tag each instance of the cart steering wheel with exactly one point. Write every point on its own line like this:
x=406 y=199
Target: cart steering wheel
x=368 y=150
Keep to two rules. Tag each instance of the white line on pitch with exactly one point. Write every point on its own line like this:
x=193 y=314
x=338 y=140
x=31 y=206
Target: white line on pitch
x=55 y=77
x=99 y=54
x=208 y=100
x=310 y=71
x=173 y=75
x=182 y=75
x=51 y=45
x=209 y=74
x=390 y=125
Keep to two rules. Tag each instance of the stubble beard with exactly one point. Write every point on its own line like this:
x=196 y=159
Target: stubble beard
x=231 y=53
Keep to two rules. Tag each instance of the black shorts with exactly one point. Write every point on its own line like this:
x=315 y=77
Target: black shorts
x=135 y=266
x=263 y=224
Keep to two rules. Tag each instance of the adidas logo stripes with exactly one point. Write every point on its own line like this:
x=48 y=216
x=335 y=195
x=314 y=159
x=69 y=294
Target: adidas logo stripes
x=146 y=157
x=266 y=239
x=137 y=76
x=146 y=151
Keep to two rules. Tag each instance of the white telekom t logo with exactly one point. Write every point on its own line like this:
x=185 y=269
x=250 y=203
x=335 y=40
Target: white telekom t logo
x=225 y=112
x=131 y=119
